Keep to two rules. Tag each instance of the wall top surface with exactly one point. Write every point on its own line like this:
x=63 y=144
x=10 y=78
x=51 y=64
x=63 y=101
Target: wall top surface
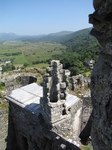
x=29 y=97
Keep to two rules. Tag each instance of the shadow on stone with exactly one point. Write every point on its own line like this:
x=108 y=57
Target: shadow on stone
x=11 y=137
x=45 y=118
x=84 y=135
x=86 y=120
x=28 y=130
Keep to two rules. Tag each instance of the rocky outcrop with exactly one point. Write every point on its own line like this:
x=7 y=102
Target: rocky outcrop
x=101 y=80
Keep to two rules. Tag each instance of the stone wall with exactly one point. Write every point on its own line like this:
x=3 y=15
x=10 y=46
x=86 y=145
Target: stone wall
x=79 y=83
x=55 y=89
x=55 y=124
x=101 y=80
x=28 y=131
x=86 y=119
x=3 y=127
x=9 y=86
x=53 y=104
x=16 y=82
x=71 y=125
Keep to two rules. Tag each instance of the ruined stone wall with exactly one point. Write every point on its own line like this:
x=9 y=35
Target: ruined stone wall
x=56 y=123
x=30 y=132
x=70 y=126
x=86 y=119
x=65 y=120
x=9 y=86
x=55 y=88
x=14 y=83
x=79 y=82
x=101 y=80
x=3 y=127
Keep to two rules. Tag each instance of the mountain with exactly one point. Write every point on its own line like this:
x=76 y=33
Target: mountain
x=67 y=38
x=78 y=39
x=81 y=47
x=32 y=38
x=61 y=33
x=52 y=37
x=13 y=36
x=8 y=36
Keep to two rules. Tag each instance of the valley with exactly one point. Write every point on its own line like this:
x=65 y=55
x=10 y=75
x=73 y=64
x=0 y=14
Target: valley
x=72 y=49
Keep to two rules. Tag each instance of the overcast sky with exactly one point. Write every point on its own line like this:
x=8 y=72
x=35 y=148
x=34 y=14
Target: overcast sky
x=33 y=17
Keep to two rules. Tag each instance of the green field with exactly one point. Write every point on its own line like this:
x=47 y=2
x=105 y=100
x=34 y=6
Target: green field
x=32 y=54
x=73 y=50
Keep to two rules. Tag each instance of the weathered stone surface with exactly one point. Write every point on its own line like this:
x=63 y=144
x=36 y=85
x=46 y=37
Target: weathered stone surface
x=86 y=119
x=96 y=3
x=55 y=92
x=3 y=127
x=101 y=80
x=58 y=115
x=79 y=82
x=102 y=23
x=16 y=82
x=53 y=103
x=29 y=131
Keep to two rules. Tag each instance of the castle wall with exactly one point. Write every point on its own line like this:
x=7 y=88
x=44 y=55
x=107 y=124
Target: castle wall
x=45 y=118
x=3 y=127
x=71 y=125
x=29 y=131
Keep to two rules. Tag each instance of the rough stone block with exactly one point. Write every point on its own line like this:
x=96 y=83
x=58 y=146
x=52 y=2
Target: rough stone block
x=63 y=85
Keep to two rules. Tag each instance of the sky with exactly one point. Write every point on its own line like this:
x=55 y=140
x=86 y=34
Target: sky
x=35 y=17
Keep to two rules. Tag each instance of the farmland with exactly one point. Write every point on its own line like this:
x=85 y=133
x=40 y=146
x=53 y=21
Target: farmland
x=73 y=50
x=30 y=54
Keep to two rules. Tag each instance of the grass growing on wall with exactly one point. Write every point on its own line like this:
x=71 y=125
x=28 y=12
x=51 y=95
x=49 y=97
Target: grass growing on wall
x=85 y=147
x=1 y=86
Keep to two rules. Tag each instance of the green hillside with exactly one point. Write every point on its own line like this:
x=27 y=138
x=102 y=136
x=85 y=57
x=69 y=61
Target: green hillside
x=72 y=49
x=81 y=47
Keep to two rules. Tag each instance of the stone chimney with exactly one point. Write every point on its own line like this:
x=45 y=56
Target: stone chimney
x=55 y=88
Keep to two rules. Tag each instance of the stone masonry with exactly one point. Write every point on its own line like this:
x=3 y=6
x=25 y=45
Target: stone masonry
x=53 y=104
x=55 y=91
x=48 y=122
